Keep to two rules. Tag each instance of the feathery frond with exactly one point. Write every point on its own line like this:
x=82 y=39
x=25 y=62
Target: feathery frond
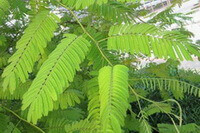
x=58 y=125
x=145 y=39
x=4 y=59
x=34 y=6
x=37 y=5
x=68 y=98
x=55 y=74
x=171 y=84
x=71 y=114
x=81 y=4
x=84 y=126
x=57 y=120
x=145 y=127
x=157 y=108
x=4 y=7
x=113 y=11
x=6 y=126
x=132 y=123
x=167 y=18
x=4 y=119
x=11 y=128
x=108 y=98
x=95 y=55
x=129 y=0
x=189 y=128
x=31 y=44
x=17 y=94
x=94 y=101
x=113 y=90
x=79 y=82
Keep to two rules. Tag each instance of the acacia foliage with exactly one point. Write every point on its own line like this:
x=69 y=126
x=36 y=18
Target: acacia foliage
x=70 y=74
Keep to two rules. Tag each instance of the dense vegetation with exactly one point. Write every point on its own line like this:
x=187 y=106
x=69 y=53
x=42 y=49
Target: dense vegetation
x=74 y=66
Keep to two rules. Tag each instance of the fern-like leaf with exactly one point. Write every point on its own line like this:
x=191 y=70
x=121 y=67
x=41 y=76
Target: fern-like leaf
x=113 y=90
x=94 y=102
x=189 y=128
x=95 y=54
x=145 y=127
x=36 y=5
x=157 y=108
x=113 y=11
x=4 y=119
x=57 y=120
x=71 y=114
x=129 y=0
x=4 y=6
x=83 y=126
x=171 y=84
x=145 y=39
x=55 y=74
x=6 y=126
x=32 y=43
x=17 y=94
x=69 y=98
x=80 y=4
x=57 y=125
x=4 y=59
x=167 y=17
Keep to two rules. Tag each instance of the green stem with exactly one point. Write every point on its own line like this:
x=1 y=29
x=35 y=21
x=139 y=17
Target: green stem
x=170 y=100
x=21 y=119
x=16 y=125
x=109 y=62
x=103 y=39
x=86 y=32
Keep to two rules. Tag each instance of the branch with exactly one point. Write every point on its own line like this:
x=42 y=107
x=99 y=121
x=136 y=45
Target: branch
x=21 y=119
x=97 y=44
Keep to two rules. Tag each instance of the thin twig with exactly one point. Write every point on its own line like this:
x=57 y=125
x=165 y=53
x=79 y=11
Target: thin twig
x=86 y=32
x=7 y=109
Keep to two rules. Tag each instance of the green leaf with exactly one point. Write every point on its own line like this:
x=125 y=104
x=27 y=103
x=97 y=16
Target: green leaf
x=113 y=90
x=148 y=39
x=80 y=4
x=188 y=128
x=95 y=54
x=55 y=74
x=174 y=85
x=31 y=44
x=69 y=98
x=145 y=127
x=157 y=108
x=4 y=7
x=113 y=11
x=84 y=126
